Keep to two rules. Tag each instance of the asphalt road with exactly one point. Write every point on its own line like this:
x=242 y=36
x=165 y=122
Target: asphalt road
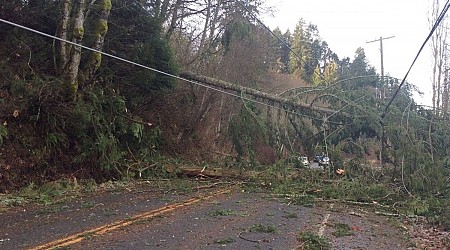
x=214 y=218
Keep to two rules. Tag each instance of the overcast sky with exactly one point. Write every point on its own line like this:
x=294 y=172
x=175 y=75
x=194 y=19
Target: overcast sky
x=349 y=24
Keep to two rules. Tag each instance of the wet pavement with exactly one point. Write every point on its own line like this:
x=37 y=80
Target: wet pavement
x=209 y=219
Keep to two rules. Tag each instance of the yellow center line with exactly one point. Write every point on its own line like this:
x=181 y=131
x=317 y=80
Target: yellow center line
x=75 y=238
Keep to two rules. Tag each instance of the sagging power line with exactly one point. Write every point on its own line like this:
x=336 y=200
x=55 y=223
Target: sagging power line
x=436 y=24
x=386 y=109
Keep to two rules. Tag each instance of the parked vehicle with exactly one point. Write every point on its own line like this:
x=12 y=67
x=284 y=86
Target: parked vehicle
x=322 y=159
x=303 y=160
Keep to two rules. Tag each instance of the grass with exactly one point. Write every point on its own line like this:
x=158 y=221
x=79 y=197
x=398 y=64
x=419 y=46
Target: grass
x=223 y=212
x=312 y=241
x=260 y=228
x=226 y=212
x=341 y=230
x=55 y=192
x=12 y=201
x=63 y=190
x=304 y=200
x=52 y=209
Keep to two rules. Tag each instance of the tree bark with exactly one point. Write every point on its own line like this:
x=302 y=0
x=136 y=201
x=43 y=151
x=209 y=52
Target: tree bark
x=214 y=21
x=72 y=71
x=174 y=19
x=430 y=138
x=445 y=96
x=64 y=26
x=100 y=31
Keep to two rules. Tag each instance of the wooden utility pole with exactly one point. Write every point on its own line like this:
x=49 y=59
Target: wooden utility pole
x=383 y=91
x=382 y=96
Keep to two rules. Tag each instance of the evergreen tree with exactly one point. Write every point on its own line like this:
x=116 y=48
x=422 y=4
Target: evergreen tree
x=301 y=50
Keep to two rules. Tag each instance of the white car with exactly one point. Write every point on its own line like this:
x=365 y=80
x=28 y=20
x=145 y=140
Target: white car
x=325 y=161
x=303 y=160
x=322 y=159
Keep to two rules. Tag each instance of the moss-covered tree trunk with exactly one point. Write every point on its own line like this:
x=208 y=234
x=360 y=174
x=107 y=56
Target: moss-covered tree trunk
x=100 y=31
x=74 y=72
x=70 y=74
x=63 y=29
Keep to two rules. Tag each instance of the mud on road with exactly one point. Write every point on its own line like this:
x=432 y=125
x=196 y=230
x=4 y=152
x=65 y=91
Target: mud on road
x=220 y=217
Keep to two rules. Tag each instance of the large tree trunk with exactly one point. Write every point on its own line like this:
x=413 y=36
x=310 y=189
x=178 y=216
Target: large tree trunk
x=174 y=19
x=62 y=33
x=212 y=30
x=445 y=96
x=71 y=73
x=440 y=71
x=95 y=58
x=73 y=16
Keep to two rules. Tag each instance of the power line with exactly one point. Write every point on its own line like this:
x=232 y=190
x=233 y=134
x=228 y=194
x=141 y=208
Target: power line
x=436 y=24
x=386 y=109
x=159 y=71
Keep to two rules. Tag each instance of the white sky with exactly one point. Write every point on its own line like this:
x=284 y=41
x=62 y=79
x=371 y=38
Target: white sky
x=348 y=24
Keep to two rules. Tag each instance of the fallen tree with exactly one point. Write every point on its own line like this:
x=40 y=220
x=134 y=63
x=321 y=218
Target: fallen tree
x=283 y=102
x=210 y=172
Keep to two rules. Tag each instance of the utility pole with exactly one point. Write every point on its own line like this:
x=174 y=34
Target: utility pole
x=383 y=96
x=383 y=92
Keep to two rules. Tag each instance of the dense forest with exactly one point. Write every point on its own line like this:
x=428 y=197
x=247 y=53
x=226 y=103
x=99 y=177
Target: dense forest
x=121 y=105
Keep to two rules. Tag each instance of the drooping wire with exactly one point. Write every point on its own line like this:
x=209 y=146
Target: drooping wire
x=436 y=24
x=162 y=72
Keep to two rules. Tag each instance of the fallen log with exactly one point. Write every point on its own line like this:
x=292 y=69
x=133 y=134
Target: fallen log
x=211 y=173
x=258 y=94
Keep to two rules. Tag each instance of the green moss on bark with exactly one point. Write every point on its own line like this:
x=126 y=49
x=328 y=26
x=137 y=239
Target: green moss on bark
x=78 y=33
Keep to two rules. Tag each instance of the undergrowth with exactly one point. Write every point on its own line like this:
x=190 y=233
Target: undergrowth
x=307 y=187
x=312 y=241
x=341 y=230
x=56 y=192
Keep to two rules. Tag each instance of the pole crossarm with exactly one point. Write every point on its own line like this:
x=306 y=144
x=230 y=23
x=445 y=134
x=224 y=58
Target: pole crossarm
x=258 y=94
x=381 y=38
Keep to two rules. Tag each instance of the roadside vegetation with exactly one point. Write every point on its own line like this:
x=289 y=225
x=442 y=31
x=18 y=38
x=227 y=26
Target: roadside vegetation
x=306 y=187
x=74 y=120
x=312 y=241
